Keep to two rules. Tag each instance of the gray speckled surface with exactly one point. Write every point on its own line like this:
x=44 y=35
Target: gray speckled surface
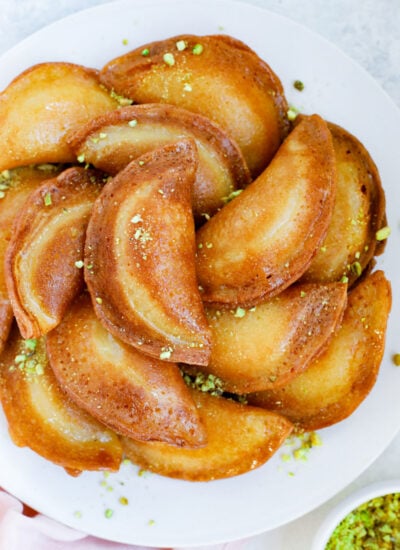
x=369 y=32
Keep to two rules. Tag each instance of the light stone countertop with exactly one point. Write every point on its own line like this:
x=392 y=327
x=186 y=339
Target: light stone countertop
x=369 y=32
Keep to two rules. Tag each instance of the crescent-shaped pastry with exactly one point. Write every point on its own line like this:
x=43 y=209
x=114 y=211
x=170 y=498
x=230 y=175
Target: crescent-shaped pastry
x=112 y=140
x=42 y=417
x=15 y=187
x=268 y=345
x=41 y=106
x=240 y=439
x=139 y=257
x=132 y=393
x=358 y=214
x=44 y=258
x=264 y=239
x=216 y=76
x=335 y=384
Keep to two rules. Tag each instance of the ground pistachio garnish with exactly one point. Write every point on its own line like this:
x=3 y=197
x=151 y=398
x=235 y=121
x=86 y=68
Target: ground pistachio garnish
x=29 y=360
x=396 y=359
x=292 y=113
x=231 y=196
x=375 y=525
x=299 y=85
x=383 y=233
x=300 y=445
x=208 y=383
x=123 y=101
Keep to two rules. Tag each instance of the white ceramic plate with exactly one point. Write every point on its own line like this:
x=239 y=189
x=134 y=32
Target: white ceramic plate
x=165 y=512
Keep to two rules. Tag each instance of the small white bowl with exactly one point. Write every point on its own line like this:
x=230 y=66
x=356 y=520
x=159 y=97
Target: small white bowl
x=348 y=504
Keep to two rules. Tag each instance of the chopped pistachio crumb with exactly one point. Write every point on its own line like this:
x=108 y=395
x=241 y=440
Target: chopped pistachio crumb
x=2 y=194
x=240 y=312
x=47 y=199
x=292 y=113
x=142 y=472
x=344 y=279
x=151 y=522
x=141 y=162
x=102 y=135
x=299 y=85
x=231 y=196
x=78 y=514
x=204 y=382
x=356 y=268
x=108 y=513
x=123 y=101
x=166 y=353
x=301 y=445
x=99 y=300
x=323 y=248
x=169 y=59
x=383 y=233
x=187 y=87
x=81 y=158
x=79 y=264
x=197 y=49
x=39 y=369
x=181 y=45
x=302 y=294
x=374 y=524
x=125 y=41
x=30 y=344
x=209 y=245
x=124 y=501
x=6 y=174
x=286 y=457
x=132 y=123
x=396 y=359
x=137 y=218
x=145 y=52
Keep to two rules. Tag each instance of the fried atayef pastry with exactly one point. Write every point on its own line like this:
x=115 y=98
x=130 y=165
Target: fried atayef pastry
x=264 y=240
x=40 y=107
x=335 y=384
x=139 y=257
x=359 y=212
x=42 y=417
x=134 y=394
x=15 y=186
x=216 y=76
x=266 y=346
x=112 y=140
x=240 y=438
x=42 y=266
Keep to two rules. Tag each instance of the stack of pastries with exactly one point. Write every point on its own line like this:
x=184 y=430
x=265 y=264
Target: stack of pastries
x=190 y=272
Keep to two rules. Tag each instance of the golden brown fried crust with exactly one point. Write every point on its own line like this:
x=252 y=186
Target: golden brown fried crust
x=264 y=240
x=48 y=239
x=112 y=140
x=359 y=212
x=139 y=257
x=30 y=397
x=19 y=185
x=134 y=394
x=64 y=96
x=227 y=82
x=269 y=345
x=240 y=438
x=335 y=384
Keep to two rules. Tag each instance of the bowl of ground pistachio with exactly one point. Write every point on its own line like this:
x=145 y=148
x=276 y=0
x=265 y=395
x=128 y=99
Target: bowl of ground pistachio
x=367 y=519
